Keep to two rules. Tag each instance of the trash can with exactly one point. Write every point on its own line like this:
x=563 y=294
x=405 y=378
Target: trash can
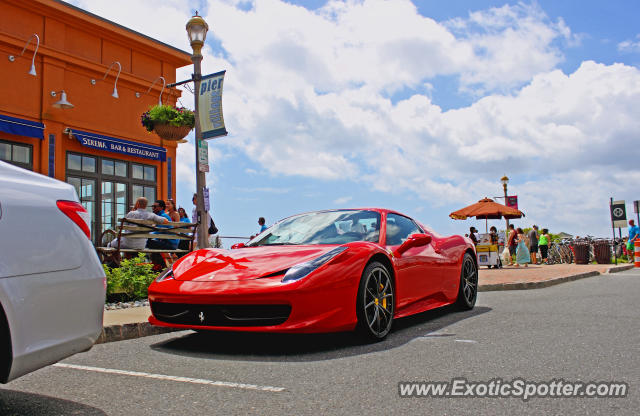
x=581 y=252
x=602 y=251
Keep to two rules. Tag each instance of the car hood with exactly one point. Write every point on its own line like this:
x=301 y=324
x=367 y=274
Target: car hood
x=211 y=265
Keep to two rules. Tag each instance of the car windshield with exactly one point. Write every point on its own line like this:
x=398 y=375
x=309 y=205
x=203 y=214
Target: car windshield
x=323 y=227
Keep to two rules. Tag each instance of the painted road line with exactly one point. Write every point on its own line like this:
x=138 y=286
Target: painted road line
x=172 y=378
x=438 y=334
x=470 y=341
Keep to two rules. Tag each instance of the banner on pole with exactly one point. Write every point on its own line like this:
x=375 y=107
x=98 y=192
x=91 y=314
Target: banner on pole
x=205 y=194
x=512 y=202
x=619 y=214
x=210 y=106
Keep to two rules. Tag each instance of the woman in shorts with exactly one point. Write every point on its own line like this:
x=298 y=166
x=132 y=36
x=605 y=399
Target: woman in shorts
x=543 y=244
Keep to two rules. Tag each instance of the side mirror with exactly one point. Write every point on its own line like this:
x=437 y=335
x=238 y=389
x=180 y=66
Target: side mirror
x=414 y=240
x=237 y=245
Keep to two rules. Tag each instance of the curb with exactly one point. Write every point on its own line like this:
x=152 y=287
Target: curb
x=616 y=269
x=130 y=331
x=535 y=285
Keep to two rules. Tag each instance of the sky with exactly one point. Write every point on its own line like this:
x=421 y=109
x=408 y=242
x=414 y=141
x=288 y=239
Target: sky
x=416 y=106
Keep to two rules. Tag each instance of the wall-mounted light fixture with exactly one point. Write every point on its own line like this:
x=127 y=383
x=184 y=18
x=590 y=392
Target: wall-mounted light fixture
x=32 y=71
x=62 y=103
x=164 y=82
x=115 y=84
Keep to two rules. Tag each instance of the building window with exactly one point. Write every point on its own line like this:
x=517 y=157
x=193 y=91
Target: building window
x=144 y=172
x=86 y=190
x=81 y=163
x=116 y=183
x=17 y=154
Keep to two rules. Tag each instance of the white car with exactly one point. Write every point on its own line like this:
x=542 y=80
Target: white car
x=52 y=285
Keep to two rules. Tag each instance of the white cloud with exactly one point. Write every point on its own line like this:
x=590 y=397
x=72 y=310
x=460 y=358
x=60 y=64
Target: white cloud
x=510 y=44
x=268 y=190
x=343 y=200
x=630 y=46
x=307 y=94
x=157 y=19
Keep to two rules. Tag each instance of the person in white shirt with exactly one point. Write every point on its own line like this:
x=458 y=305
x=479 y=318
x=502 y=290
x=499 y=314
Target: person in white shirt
x=138 y=213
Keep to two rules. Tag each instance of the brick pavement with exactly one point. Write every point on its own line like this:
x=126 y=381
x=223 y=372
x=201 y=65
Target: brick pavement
x=536 y=276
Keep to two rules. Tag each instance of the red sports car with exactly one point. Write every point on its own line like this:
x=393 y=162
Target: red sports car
x=321 y=271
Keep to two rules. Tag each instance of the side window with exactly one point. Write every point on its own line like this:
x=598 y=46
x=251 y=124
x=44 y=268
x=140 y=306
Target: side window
x=399 y=228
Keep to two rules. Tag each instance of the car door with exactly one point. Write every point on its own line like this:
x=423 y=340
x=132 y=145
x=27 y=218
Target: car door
x=419 y=269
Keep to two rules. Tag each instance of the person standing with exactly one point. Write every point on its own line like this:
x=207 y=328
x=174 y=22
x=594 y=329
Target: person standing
x=512 y=243
x=543 y=244
x=533 y=244
x=522 y=252
x=472 y=235
x=183 y=244
x=261 y=223
x=634 y=234
x=183 y=215
x=493 y=235
x=171 y=211
x=194 y=219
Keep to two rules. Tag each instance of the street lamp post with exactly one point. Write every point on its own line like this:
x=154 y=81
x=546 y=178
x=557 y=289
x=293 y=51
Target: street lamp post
x=505 y=181
x=197 y=31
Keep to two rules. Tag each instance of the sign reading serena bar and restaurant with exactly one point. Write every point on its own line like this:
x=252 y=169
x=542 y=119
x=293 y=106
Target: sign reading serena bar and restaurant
x=210 y=106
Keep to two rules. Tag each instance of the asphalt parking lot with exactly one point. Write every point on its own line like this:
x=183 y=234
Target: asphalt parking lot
x=585 y=330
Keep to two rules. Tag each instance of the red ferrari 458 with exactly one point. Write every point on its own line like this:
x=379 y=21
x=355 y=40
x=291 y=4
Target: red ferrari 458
x=321 y=271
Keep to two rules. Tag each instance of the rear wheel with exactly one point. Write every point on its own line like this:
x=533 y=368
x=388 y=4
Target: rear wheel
x=468 y=291
x=376 y=301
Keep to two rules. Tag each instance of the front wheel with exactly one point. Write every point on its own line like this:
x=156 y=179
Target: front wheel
x=468 y=291
x=376 y=301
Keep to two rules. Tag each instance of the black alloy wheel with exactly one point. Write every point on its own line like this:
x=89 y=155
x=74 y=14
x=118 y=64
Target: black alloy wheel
x=375 y=305
x=468 y=292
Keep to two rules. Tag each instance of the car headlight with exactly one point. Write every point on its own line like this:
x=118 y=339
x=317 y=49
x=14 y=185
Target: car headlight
x=166 y=274
x=301 y=270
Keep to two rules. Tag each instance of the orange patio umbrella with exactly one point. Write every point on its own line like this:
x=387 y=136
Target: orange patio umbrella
x=486 y=209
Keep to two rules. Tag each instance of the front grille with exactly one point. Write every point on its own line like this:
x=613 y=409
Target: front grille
x=220 y=315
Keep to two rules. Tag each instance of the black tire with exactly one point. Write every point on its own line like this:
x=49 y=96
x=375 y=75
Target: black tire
x=375 y=304
x=468 y=291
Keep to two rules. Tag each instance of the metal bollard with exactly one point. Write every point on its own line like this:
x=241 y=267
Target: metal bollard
x=636 y=249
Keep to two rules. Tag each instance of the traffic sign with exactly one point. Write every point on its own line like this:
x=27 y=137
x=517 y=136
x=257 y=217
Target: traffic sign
x=203 y=156
x=619 y=214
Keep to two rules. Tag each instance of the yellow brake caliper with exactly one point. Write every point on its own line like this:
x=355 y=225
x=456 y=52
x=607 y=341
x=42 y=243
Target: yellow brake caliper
x=384 y=300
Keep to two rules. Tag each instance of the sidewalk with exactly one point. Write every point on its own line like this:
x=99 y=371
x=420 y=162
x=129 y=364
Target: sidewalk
x=538 y=276
x=132 y=322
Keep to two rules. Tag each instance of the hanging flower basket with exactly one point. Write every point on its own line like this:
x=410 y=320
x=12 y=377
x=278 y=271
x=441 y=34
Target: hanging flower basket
x=168 y=132
x=168 y=122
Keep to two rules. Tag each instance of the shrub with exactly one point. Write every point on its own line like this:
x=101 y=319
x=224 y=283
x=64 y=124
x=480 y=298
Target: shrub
x=132 y=278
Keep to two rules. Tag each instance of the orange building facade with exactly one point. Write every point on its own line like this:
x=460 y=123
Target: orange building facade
x=99 y=144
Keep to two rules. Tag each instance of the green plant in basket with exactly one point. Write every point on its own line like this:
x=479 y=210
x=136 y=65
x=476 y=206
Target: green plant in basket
x=167 y=114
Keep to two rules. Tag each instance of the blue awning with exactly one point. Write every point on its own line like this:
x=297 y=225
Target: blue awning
x=21 y=127
x=126 y=147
